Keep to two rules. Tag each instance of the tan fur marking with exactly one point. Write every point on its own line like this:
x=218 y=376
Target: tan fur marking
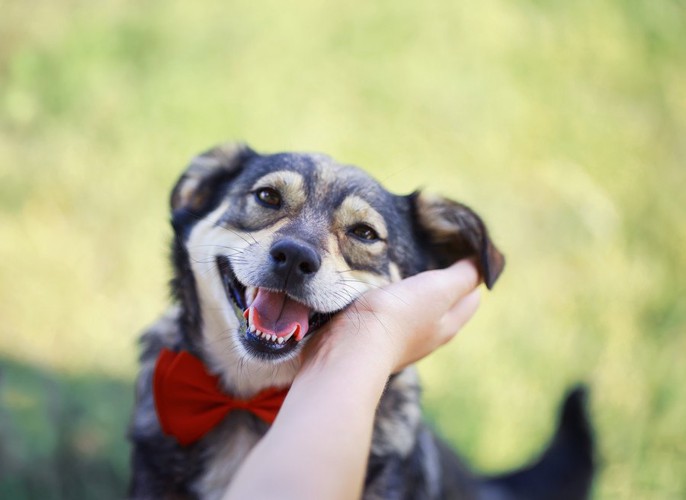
x=291 y=185
x=187 y=193
x=356 y=281
x=394 y=427
x=355 y=210
x=184 y=196
x=429 y=212
x=394 y=272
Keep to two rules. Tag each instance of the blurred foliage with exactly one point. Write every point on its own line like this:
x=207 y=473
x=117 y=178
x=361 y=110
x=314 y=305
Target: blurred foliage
x=62 y=435
x=563 y=123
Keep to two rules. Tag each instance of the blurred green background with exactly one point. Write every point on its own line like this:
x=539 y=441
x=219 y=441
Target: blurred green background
x=562 y=122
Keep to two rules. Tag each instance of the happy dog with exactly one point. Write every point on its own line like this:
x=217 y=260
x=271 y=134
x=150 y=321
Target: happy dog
x=266 y=249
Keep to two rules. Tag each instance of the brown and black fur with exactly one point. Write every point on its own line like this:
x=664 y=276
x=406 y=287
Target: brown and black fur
x=222 y=233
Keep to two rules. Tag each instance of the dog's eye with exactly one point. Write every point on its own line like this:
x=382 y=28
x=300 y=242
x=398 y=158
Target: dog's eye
x=364 y=232
x=268 y=197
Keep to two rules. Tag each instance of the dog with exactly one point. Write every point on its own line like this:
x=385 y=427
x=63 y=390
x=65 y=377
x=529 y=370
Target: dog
x=266 y=249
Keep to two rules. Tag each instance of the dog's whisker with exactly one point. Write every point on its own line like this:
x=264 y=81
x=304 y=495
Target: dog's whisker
x=382 y=288
x=241 y=235
x=220 y=265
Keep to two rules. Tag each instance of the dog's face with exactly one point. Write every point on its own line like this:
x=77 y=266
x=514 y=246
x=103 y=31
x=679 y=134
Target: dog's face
x=268 y=248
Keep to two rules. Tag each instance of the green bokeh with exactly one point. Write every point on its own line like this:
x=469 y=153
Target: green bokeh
x=563 y=123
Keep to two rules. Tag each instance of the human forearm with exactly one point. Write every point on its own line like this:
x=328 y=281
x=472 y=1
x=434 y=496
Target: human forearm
x=322 y=433
x=319 y=443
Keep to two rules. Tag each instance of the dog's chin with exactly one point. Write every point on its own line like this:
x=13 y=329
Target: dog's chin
x=259 y=345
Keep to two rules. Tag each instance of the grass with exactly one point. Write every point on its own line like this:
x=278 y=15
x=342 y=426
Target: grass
x=561 y=122
x=62 y=435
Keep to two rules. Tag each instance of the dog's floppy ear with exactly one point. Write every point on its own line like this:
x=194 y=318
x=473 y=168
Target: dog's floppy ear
x=197 y=190
x=450 y=231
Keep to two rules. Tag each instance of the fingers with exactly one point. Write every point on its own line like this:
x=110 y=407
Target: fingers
x=444 y=287
x=456 y=281
x=445 y=329
x=460 y=313
x=407 y=320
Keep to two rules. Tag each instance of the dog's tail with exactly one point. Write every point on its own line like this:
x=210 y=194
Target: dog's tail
x=565 y=469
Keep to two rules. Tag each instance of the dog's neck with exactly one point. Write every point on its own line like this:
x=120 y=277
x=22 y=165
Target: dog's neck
x=214 y=341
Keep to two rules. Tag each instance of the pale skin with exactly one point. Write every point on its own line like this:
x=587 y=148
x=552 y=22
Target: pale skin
x=318 y=446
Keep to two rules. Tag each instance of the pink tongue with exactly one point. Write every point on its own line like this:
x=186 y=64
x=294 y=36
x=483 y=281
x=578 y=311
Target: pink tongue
x=278 y=314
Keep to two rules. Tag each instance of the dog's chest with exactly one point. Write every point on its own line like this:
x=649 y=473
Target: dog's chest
x=227 y=448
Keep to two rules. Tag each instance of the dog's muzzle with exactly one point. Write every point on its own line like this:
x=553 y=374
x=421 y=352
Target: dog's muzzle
x=271 y=323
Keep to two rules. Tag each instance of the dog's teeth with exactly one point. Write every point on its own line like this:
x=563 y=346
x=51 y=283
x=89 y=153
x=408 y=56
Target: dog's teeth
x=273 y=338
x=258 y=333
x=250 y=293
x=286 y=337
x=251 y=319
x=280 y=340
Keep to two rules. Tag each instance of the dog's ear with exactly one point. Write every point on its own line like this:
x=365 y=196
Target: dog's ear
x=450 y=231
x=196 y=191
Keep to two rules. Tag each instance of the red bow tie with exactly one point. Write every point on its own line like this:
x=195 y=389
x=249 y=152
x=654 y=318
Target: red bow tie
x=189 y=402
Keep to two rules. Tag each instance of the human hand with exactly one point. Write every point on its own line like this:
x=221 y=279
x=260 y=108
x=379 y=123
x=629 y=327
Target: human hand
x=402 y=322
x=325 y=424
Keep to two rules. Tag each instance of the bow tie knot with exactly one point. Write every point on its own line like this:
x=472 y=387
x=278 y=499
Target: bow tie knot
x=190 y=403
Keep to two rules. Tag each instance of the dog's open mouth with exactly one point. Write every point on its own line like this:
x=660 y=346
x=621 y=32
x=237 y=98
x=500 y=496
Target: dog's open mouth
x=272 y=323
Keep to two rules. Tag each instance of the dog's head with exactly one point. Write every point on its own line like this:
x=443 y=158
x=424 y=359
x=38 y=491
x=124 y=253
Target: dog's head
x=269 y=247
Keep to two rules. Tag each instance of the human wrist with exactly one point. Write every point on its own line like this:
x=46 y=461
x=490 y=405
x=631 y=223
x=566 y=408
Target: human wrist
x=349 y=351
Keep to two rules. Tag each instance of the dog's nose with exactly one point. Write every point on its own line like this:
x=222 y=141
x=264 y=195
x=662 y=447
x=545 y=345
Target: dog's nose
x=294 y=259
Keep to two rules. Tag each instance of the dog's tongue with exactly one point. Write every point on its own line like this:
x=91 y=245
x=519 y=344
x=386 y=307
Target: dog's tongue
x=278 y=314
